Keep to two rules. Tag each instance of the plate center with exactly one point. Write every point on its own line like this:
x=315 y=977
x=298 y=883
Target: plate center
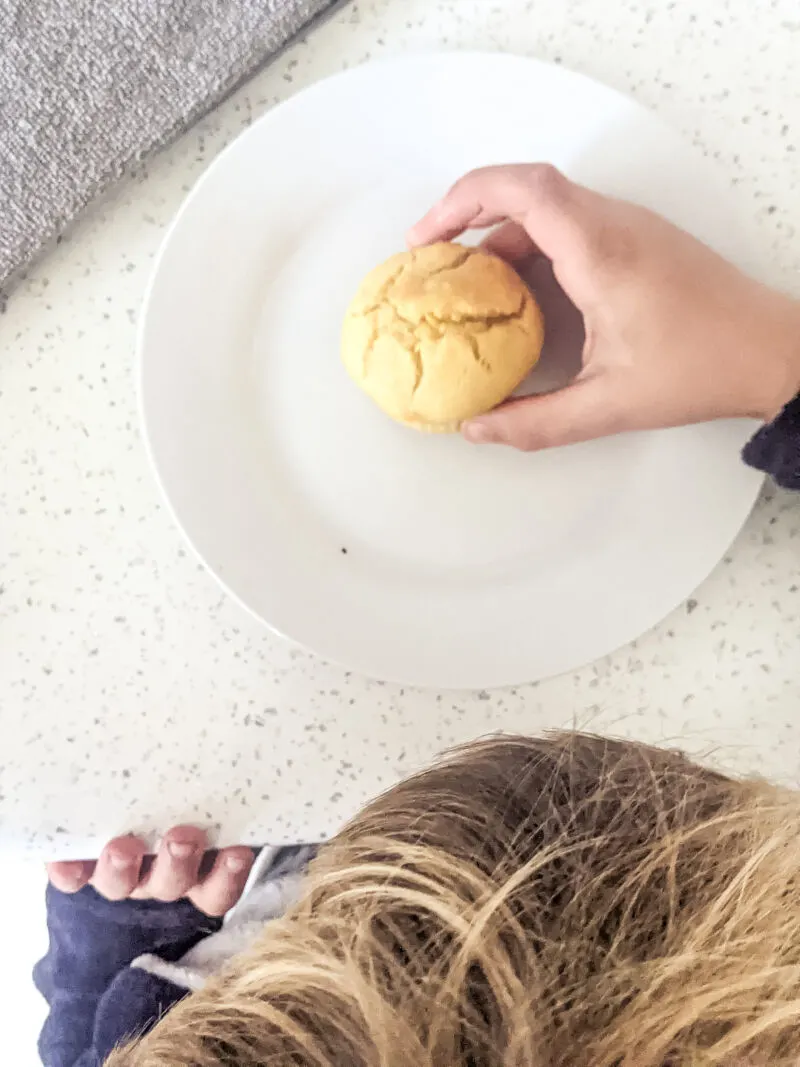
x=428 y=502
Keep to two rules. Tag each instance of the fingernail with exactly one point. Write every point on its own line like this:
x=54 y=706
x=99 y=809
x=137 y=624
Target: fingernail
x=181 y=850
x=235 y=864
x=119 y=861
x=478 y=433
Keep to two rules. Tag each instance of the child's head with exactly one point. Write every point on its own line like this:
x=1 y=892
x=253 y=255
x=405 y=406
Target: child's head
x=565 y=902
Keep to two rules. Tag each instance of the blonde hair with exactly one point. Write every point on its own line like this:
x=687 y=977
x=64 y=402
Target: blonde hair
x=549 y=902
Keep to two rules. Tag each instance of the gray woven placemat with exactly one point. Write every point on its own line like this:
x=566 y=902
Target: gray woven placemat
x=90 y=87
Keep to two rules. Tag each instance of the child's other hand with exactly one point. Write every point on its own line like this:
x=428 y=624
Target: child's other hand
x=674 y=334
x=121 y=873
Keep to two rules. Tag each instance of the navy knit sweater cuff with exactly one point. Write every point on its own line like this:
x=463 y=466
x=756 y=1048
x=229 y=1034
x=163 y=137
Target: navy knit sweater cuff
x=775 y=449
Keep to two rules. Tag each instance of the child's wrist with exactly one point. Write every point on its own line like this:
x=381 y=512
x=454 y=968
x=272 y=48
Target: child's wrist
x=782 y=384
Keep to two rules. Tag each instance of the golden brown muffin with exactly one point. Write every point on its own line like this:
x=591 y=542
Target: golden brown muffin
x=440 y=334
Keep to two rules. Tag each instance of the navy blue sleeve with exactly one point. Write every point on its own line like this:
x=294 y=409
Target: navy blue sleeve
x=95 y=1001
x=775 y=449
x=130 y=1007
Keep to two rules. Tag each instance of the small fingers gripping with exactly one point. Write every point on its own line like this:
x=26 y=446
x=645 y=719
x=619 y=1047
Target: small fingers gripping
x=175 y=869
x=536 y=196
x=124 y=871
x=118 y=869
x=223 y=885
x=70 y=876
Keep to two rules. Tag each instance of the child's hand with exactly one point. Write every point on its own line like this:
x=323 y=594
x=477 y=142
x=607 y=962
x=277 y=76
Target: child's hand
x=120 y=872
x=674 y=334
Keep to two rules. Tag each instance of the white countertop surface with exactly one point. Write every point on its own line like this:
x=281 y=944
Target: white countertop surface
x=133 y=693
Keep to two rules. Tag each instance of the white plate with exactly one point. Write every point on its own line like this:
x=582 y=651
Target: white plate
x=407 y=557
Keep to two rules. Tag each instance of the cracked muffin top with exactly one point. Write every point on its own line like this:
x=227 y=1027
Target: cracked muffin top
x=440 y=334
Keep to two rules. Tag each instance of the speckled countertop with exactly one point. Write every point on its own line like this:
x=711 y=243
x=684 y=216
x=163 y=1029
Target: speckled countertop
x=134 y=694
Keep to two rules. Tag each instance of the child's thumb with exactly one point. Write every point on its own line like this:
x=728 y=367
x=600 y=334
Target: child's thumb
x=580 y=412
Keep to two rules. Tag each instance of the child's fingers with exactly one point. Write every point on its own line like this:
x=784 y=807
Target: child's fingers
x=224 y=884
x=535 y=195
x=116 y=874
x=511 y=242
x=175 y=868
x=71 y=875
